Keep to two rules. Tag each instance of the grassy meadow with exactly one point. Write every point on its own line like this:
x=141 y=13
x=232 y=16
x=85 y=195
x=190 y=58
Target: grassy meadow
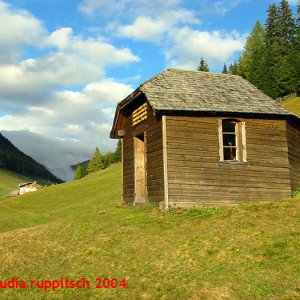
x=79 y=230
x=9 y=181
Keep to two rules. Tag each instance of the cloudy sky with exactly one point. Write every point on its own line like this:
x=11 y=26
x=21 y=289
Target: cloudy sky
x=65 y=64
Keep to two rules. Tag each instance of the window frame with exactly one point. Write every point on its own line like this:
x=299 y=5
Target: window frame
x=240 y=141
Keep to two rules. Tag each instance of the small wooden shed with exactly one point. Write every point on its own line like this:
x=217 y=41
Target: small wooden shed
x=202 y=139
x=28 y=187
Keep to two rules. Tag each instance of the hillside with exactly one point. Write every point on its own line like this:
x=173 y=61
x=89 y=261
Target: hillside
x=292 y=104
x=9 y=181
x=11 y=158
x=78 y=229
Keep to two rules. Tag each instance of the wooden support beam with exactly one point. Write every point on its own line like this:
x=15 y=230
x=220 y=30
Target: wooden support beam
x=121 y=133
x=165 y=159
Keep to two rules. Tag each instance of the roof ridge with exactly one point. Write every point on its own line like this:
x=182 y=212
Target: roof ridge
x=203 y=72
x=151 y=78
x=187 y=71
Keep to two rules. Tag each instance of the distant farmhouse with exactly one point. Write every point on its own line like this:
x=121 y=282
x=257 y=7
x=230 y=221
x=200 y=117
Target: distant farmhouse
x=28 y=187
x=203 y=139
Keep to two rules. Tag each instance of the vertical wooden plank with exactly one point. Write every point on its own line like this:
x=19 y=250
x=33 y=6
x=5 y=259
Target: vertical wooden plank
x=244 y=143
x=122 y=169
x=139 y=170
x=221 y=154
x=145 y=166
x=165 y=161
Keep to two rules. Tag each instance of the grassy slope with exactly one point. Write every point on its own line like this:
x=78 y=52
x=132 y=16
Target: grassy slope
x=9 y=181
x=292 y=104
x=78 y=229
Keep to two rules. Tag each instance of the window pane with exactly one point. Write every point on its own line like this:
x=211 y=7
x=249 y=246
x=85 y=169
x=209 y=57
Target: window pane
x=229 y=140
x=229 y=153
x=229 y=126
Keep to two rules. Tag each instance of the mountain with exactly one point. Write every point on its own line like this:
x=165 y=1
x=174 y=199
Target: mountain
x=11 y=158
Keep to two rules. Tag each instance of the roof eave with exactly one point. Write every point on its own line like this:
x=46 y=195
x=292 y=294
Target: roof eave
x=226 y=113
x=121 y=105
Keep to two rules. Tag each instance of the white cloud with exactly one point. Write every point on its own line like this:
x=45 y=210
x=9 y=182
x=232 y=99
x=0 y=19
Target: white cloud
x=59 y=95
x=178 y=32
x=75 y=62
x=82 y=120
x=34 y=80
x=152 y=29
x=19 y=28
x=96 y=51
x=70 y=108
x=187 y=45
x=144 y=28
x=60 y=38
x=59 y=99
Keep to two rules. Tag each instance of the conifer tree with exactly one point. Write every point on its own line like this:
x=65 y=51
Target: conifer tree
x=203 y=66
x=272 y=24
x=78 y=172
x=118 y=152
x=286 y=24
x=296 y=56
x=252 y=53
x=108 y=159
x=225 y=70
x=279 y=60
x=234 y=68
x=96 y=162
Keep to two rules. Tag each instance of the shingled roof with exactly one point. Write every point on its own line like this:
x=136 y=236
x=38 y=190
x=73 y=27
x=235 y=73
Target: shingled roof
x=176 y=91
x=208 y=92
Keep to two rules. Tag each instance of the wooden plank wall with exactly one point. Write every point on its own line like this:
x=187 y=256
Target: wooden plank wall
x=294 y=155
x=196 y=177
x=155 y=179
x=128 y=164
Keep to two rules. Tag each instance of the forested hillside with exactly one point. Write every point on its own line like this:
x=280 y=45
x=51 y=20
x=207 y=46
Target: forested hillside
x=271 y=56
x=97 y=162
x=11 y=158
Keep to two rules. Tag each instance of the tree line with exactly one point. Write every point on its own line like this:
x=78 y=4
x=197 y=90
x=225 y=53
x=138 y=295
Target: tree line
x=271 y=56
x=98 y=162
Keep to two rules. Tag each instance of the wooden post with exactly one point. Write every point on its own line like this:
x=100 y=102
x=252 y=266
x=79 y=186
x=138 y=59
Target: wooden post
x=165 y=161
x=122 y=165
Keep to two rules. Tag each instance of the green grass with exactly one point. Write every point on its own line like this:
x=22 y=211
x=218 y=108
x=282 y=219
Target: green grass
x=9 y=181
x=79 y=229
x=292 y=104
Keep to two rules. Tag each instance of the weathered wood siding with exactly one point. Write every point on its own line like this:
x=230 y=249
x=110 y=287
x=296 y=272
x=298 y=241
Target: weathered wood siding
x=154 y=158
x=293 y=135
x=196 y=177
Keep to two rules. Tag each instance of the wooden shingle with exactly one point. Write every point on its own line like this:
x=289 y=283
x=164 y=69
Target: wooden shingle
x=179 y=90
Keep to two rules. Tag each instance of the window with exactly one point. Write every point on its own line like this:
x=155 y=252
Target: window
x=232 y=140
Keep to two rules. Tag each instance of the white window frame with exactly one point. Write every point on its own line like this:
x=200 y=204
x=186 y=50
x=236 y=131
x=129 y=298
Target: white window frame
x=240 y=140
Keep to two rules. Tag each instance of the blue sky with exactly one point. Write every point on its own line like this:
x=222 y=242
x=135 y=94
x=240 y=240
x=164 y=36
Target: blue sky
x=65 y=64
